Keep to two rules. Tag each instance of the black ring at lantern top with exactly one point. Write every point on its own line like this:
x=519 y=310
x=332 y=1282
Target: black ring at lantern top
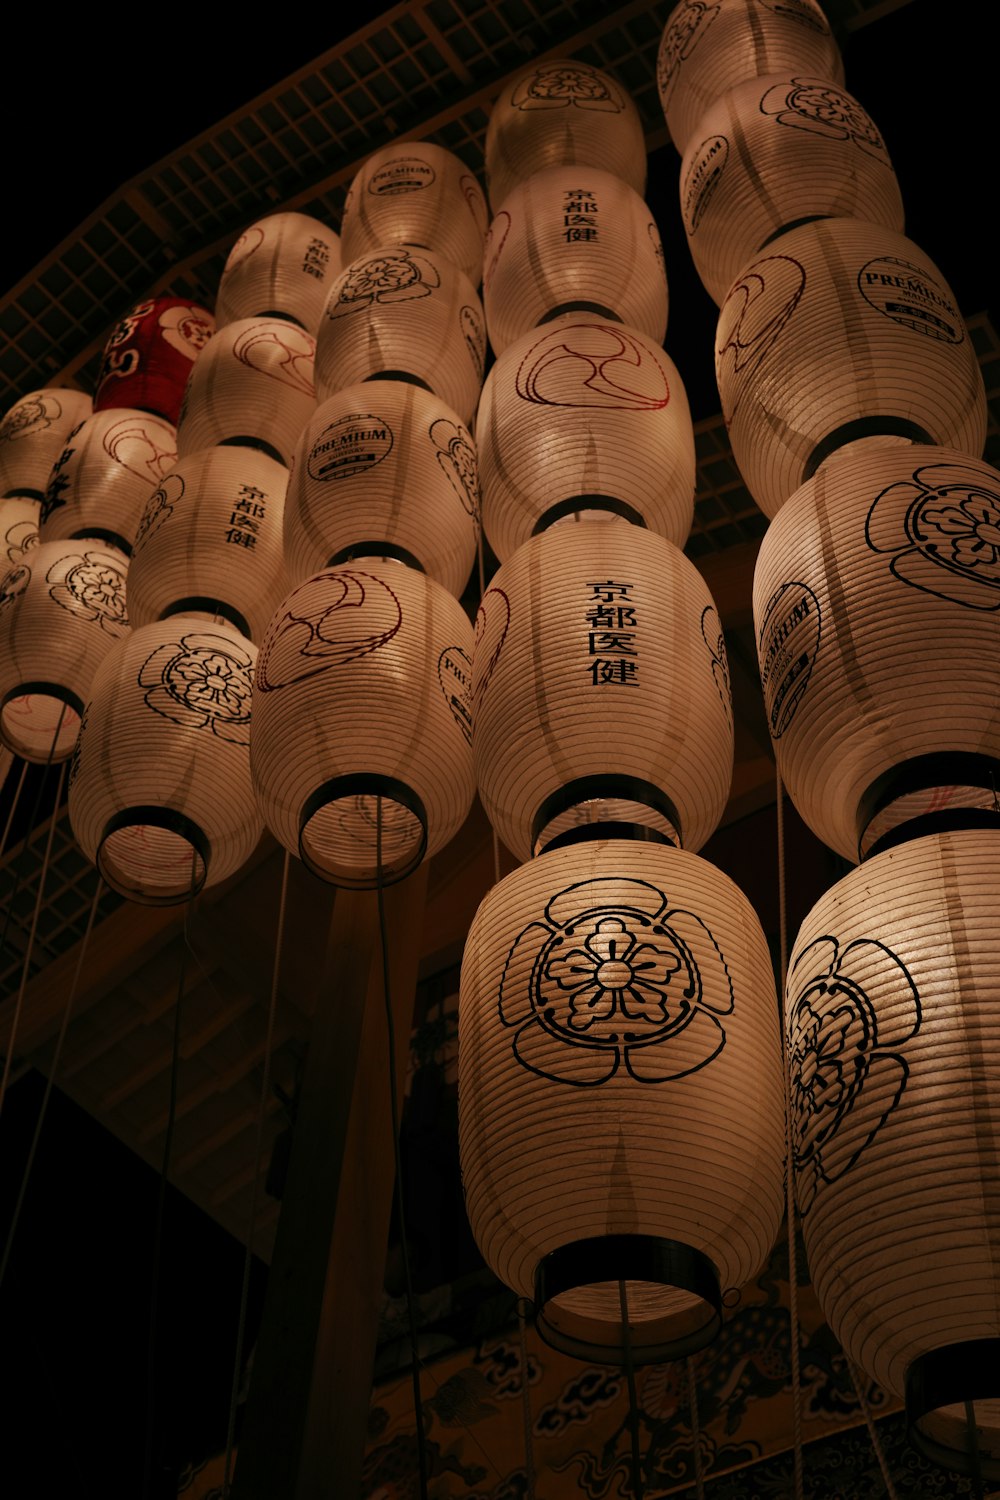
x=787 y=228
x=572 y=307
x=196 y=603
x=862 y=427
x=403 y=375
x=168 y=818
x=358 y=551
x=363 y=784
x=283 y=317
x=605 y=786
x=257 y=443
x=627 y=1257
x=956 y=1374
x=25 y=492
x=573 y=503
x=102 y=534
x=922 y=773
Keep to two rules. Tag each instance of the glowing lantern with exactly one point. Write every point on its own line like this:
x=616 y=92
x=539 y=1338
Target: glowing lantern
x=32 y=435
x=281 y=267
x=147 y=359
x=105 y=474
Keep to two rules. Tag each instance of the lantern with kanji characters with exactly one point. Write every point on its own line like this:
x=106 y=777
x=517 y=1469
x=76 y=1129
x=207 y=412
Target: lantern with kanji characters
x=281 y=266
x=105 y=474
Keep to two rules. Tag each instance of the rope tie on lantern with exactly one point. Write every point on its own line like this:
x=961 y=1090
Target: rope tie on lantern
x=699 y=1473
x=13 y=806
x=633 y=1402
x=522 y=1334
x=859 y=1390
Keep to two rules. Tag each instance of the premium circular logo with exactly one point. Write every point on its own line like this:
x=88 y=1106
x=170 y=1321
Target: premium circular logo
x=789 y=641
x=909 y=295
x=351 y=445
x=404 y=174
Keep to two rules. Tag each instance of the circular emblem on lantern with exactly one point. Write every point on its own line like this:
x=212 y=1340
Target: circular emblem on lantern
x=349 y=446
x=333 y=618
x=942 y=530
x=816 y=105
x=29 y=416
x=455 y=679
x=684 y=30
x=391 y=276
x=789 y=641
x=906 y=293
x=404 y=174
x=457 y=457
x=562 y=85
x=202 y=681
x=92 y=585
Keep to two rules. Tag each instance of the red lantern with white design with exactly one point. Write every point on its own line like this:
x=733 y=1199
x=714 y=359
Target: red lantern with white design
x=147 y=360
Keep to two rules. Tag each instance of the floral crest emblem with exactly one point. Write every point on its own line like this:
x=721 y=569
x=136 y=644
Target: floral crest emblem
x=816 y=105
x=159 y=508
x=202 y=681
x=942 y=529
x=711 y=634
x=29 y=416
x=18 y=539
x=92 y=585
x=612 y=978
x=457 y=456
x=685 y=29
x=559 y=85
x=13 y=584
x=391 y=276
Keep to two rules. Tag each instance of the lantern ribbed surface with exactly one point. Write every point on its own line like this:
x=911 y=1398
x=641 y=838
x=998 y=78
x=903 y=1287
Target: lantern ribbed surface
x=584 y=410
x=18 y=528
x=419 y=194
x=877 y=610
x=281 y=266
x=160 y=795
x=620 y=1076
x=842 y=330
x=707 y=49
x=563 y=113
x=105 y=474
x=361 y=718
x=148 y=357
x=384 y=463
x=211 y=541
x=573 y=239
x=32 y=436
x=772 y=152
x=599 y=655
x=62 y=609
x=253 y=385
x=404 y=313
x=893 y=1020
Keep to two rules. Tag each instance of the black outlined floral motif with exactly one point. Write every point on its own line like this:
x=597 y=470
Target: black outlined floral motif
x=613 y=976
x=13 y=584
x=202 y=681
x=711 y=634
x=844 y=1043
x=19 y=539
x=159 y=508
x=942 y=529
x=390 y=276
x=816 y=105
x=92 y=585
x=280 y=351
x=685 y=29
x=29 y=416
x=560 y=85
x=457 y=456
x=332 y=619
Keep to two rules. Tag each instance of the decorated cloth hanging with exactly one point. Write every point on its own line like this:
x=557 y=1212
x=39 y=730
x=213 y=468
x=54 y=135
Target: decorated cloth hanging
x=108 y=469
x=282 y=266
x=32 y=436
x=148 y=357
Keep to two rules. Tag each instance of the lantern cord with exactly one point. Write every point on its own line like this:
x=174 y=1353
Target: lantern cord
x=529 y=1453
x=974 y=1457
x=418 y=1406
x=13 y=806
x=265 y=1089
x=30 y=832
x=859 y=1390
x=633 y=1402
x=51 y=1071
x=699 y=1477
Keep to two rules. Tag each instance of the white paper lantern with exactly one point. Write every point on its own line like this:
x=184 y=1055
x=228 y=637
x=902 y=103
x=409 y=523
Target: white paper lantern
x=418 y=194
x=771 y=153
x=707 y=49
x=563 y=113
x=384 y=467
x=251 y=385
x=877 y=607
x=160 y=795
x=584 y=416
x=18 y=528
x=893 y=1018
x=573 y=239
x=404 y=313
x=600 y=689
x=620 y=1096
x=842 y=330
x=282 y=267
x=32 y=435
x=361 y=719
x=210 y=541
x=62 y=609
x=105 y=474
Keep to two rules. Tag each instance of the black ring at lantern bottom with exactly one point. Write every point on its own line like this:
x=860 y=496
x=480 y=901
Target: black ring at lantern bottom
x=362 y=784
x=54 y=690
x=922 y=773
x=571 y=307
x=373 y=551
x=402 y=375
x=952 y=1376
x=199 y=604
x=102 y=534
x=245 y=440
x=636 y=1258
x=605 y=786
x=863 y=427
x=171 y=821
x=573 y=503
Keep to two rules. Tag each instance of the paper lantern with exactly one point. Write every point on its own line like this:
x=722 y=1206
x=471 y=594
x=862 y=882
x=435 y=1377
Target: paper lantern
x=842 y=330
x=771 y=153
x=877 y=607
x=418 y=194
x=32 y=435
x=361 y=717
x=18 y=528
x=62 y=608
x=281 y=267
x=160 y=795
x=584 y=417
x=211 y=541
x=600 y=690
x=563 y=113
x=573 y=239
x=384 y=468
x=707 y=49
x=147 y=359
x=253 y=387
x=105 y=474
x=893 y=1019
x=404 y=313
x=620 y=1094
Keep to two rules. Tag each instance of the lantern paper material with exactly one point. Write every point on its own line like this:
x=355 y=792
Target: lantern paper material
x=160 y=795
x=841 y=330
x=419 y=194
x=580 y=415
x=893 y=1020
x=252 y=386
x=600 y=666
x=573 y=239
x=211 y=541
x=62 y=609
x=32 y=435
x=283 y=267
x=147 y=359
x=404 y=313
x=384 y=465
x=18 y=529
x=105 y=474
x=617 y=1000
x=877 y=609
x=361 y=721
x=707 y=49
x=563 y=113
x=770 y=153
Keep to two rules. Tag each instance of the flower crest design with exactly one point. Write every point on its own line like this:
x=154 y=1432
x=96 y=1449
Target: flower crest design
x=612 y=978
x=390 y=276
x=684 y=30
x=711 y=634
x=31 y=415
x=816 y=105
x=201 y=681
x=13 y=584
x=942 y=529
x=91 y=585
x=847 y=1074
x=561 y=85
x=457 y=456
x=18 y=539
x=159 y=508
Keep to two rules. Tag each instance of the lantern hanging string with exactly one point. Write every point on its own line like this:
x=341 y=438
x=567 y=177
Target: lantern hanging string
x=974 y=1455
x=481 y=564
x=857 y=1380
x=13 y=807
x=529 y=1452
x=633 y=1401
x=692 y=1387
